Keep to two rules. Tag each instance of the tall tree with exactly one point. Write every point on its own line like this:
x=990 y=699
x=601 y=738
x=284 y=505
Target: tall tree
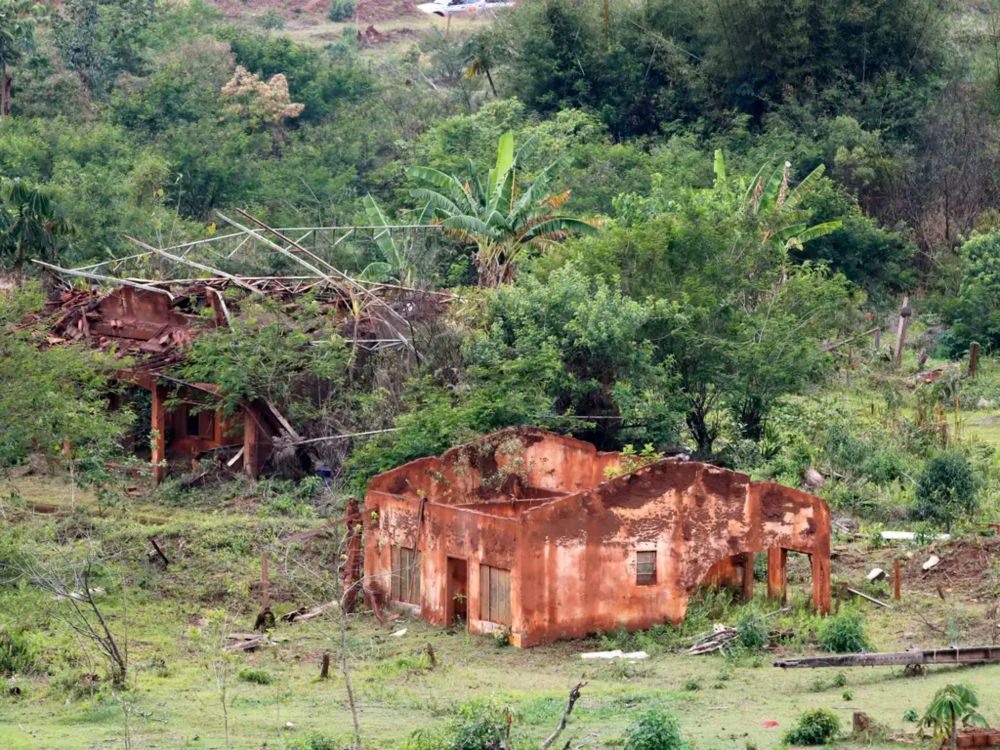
x=498 y=215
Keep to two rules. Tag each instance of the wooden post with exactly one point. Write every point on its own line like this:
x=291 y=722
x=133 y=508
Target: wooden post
x=265 y=583
x=897 y=579
x=748 y=560
x=324 y=670
x=158 y=434
x=904 y=323
x=777 y=579
x=878 y=339
x=973 y=359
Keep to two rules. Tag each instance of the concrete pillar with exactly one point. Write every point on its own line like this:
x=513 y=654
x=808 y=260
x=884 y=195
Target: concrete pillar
x=158 y=436
x=821 y=582
x=748 y=560
x=777 y=580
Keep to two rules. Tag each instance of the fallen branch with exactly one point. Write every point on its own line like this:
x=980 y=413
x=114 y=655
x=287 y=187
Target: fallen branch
x=717 y=640
x=246 y=642
x=302 y=614
x=871 y=599
x=574 y=696
x=159 y=552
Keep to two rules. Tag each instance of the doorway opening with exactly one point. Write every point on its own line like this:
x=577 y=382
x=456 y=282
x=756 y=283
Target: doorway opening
x=458 y=590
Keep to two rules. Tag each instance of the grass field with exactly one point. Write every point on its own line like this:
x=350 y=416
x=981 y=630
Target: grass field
x=177 y=616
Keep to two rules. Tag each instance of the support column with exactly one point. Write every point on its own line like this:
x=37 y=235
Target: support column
x=748 y=560
x=251 y=443
x=777 y=579
x=158 y=435
x=821 y=582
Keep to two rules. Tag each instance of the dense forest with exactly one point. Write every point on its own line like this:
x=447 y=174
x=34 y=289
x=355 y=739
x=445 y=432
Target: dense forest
x=702 y=196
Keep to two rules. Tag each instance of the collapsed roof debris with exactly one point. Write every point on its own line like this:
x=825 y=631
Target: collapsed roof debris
x=149 y=321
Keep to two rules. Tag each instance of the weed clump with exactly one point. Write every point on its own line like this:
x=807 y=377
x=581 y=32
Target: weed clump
x=17 y=653
x=844 y=633
x=656 y=729
x=256 y=676
x=313 y=741
x=816 y=727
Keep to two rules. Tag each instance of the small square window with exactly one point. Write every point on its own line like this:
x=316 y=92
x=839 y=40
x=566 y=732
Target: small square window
x=645 y=568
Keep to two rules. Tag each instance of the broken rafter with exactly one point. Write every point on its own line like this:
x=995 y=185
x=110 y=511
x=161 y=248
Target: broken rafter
x=99 y=277
x=195 y=264
x=305 y=264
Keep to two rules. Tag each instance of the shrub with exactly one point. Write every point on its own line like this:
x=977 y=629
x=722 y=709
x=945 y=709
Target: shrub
x=816 y=727
x=844 y=633
x=656 y=729
x=342 y=10
x=256 y=676
x=314 y=741
x=480 y=725
x=17 y=653
x=692 y=684
x=752 y=631
x=946 y=489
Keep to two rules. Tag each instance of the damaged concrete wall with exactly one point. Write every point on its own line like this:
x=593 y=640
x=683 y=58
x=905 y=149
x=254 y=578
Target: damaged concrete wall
x=571 y=560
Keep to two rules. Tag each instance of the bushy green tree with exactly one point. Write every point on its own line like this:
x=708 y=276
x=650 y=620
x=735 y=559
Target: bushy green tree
x=747 y=321
x=655 y=729
x=52 y=396
x=974 y=313
x=946 y=489
x=100 y=39
x=17 y=36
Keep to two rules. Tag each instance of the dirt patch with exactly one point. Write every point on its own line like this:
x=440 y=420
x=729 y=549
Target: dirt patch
x=287 y=8
x=368 y=11
x=372 y=37
x=968 y=568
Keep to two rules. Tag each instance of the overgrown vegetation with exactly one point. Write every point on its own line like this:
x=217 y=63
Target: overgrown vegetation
x=668 y=228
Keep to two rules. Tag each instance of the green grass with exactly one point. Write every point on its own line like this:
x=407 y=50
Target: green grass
x=175 y=699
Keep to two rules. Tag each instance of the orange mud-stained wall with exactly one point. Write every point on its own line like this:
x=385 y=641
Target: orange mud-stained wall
x=529 y=531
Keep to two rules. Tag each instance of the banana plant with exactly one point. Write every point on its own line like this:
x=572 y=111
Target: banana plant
x=396 y=262
x=774 y=202
x=496 y=214
x=952 y=704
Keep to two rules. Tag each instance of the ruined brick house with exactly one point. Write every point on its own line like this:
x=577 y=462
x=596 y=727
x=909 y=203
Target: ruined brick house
x=547 y=537
x=150 y=326
x=150 y=331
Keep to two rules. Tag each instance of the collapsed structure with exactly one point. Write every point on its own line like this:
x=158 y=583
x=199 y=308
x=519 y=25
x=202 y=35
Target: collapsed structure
x=548 y=538
x=149 y=324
